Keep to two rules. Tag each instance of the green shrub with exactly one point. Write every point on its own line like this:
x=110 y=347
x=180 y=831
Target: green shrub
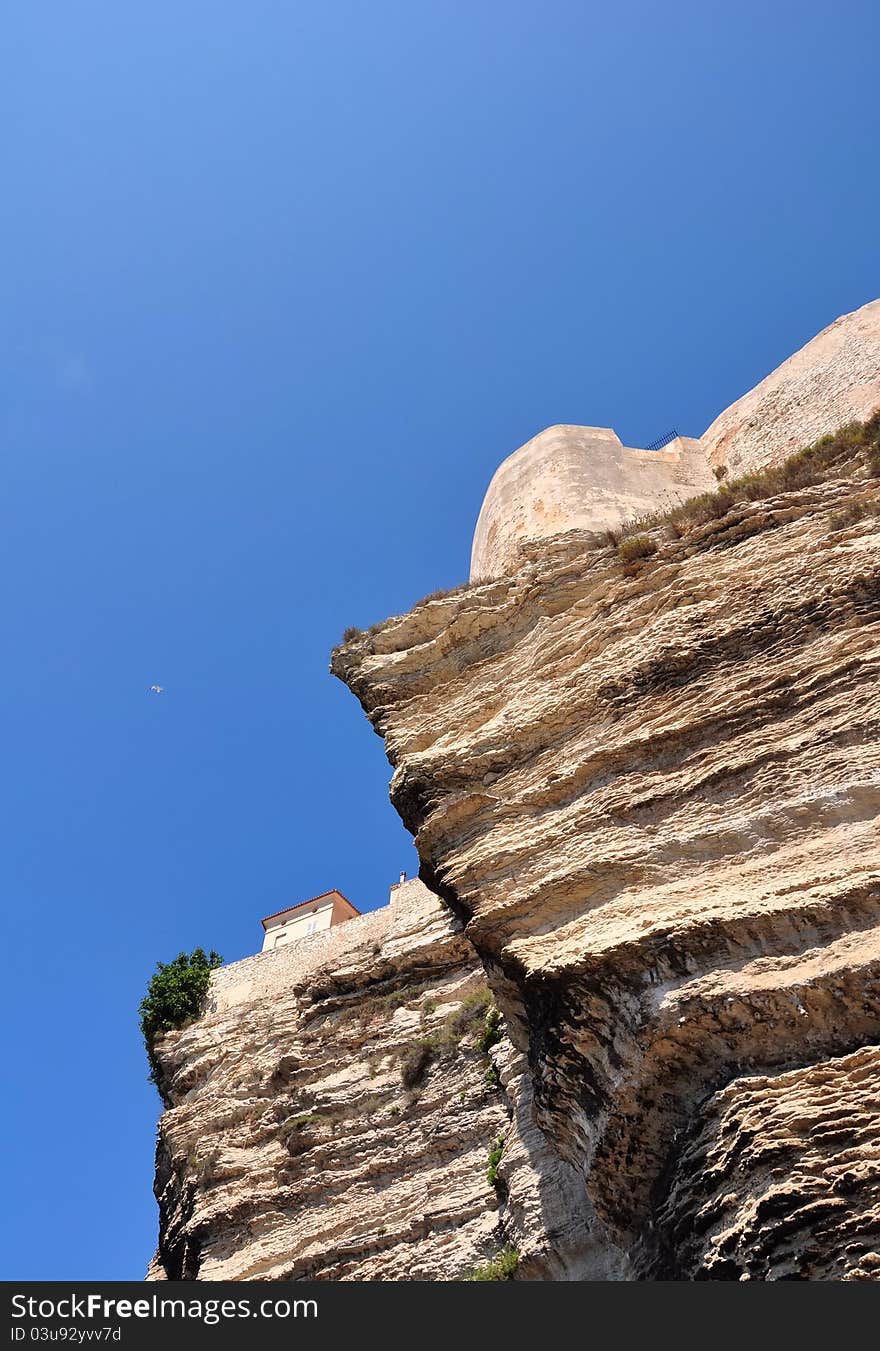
x=292 y=1132
x=491 y=1033
x=175 y=996
x=502 y=1267
x=471 y=1017
x=467 y=1018
x=494 y=1160
x=634 y=547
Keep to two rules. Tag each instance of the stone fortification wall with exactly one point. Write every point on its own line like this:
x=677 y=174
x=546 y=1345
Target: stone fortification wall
x=833 y=380
x=274 y=972
x=582 y=478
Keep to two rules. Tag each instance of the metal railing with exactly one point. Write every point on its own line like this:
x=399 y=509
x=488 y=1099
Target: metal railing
x=663 y=440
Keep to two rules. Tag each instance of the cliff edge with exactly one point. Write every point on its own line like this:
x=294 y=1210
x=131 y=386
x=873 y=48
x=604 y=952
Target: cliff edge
x=647 y=780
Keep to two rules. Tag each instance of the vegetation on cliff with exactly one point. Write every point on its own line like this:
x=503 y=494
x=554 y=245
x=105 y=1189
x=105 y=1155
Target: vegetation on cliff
x=175 y=996
x=501 y=1268
x=850 y=450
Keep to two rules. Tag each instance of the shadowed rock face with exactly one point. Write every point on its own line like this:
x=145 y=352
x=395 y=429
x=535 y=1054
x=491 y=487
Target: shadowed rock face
x=651 y=792
x=790 y=1180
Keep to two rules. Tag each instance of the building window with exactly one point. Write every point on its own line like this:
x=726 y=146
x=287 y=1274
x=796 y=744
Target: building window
x=312 y=925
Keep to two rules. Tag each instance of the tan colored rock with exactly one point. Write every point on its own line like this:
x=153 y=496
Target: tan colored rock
x=578 y=478
x=292 y=1149
x=652 y=792
x=791 y=1178
x=833 y=380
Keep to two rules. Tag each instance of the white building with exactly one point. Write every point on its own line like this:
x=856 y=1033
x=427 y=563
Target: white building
x=308 y=917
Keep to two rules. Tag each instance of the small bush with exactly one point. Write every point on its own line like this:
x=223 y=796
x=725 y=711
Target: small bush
x=469 y=1018
x=175 y=996
x=414 y=1064
x=705 y=507
x=859 y=510
x=396 y=999
x=492 y=1079
x=292 y=1132
x=373 y=1003
x=502 y=1267
x=351 y=633
x=840 y=453
x=442 y=593
x=635 y=547
x=296 y=1123
x=494 y=1160
x=202 y=1164
x=491 y=1033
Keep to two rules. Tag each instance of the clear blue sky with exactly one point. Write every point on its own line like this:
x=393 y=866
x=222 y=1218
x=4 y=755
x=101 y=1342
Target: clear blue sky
x=282 y=284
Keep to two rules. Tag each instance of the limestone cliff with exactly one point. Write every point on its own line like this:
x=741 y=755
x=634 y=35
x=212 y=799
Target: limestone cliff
x=331 y=1116
x=649 y=787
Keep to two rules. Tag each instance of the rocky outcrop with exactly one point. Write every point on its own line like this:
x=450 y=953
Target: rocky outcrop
x=330 y=1117
x=650 y=789
x=790 y=1179
x=833 y=380
x=291 y=1146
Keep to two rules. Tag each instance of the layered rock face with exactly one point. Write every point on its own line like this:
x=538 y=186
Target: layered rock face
x=791 y=1179
x=291 y=1148
x=331 y=1115
x=651 y=791
x=833 y=380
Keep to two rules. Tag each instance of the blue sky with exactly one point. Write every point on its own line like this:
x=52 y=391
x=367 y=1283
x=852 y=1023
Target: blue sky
x=282 y=284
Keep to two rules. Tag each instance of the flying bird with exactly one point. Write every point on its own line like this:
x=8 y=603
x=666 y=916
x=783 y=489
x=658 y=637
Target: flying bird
x=156 y=689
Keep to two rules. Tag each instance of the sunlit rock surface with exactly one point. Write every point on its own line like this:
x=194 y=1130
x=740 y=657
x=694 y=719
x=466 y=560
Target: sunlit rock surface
x=652 y=793
x=294 y=1148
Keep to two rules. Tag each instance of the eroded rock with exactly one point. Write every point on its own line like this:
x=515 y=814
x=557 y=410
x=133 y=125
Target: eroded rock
x=651 y=792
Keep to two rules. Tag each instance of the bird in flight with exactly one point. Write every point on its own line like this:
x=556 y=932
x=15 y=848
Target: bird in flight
x=156 y=689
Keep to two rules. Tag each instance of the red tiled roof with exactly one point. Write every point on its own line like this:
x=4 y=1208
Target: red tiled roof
x=299 y=905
